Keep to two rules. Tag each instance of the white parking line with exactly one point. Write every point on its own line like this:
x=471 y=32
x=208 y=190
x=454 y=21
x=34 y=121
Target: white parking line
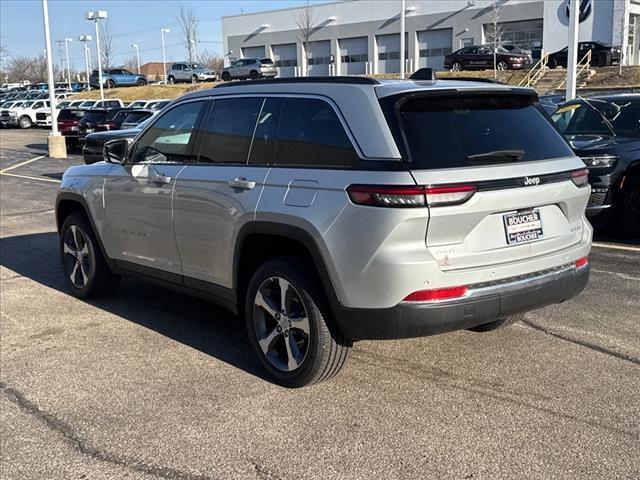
x=610 y=246
x=12 y=167
x=28 y=177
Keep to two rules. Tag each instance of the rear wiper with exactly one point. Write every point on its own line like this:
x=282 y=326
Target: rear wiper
x=498 y=155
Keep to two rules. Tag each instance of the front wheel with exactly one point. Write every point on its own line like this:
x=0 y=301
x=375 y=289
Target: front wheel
x=500 y=323
x=195 y=79
x=502 y=65
x=552 y=63
x=25 y=122
x=290 y=325
x=226 y=76
x=171 y=79
x=111 y=84
x=456 y=67
x=253 y=75
x=141 y=82
x=85 y=269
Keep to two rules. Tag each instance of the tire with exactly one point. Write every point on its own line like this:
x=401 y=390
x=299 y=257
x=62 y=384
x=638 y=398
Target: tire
x=141 y=82
x=254 y=75
x=321 y=351
x=79 y=250
x=194 y=79
x=456 y=67
x=111 y=84
x=226 y=76
x=502 y=65
x=552 y=63
x=625 y=220
x=25 y=122
x=171 y=79
x=500 y=323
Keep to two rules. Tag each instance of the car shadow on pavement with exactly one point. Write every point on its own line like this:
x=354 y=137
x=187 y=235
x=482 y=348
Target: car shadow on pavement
x=38 y=146
x=191 y=321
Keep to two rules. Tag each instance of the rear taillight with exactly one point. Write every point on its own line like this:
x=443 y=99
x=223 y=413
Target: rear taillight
x=448 y=293
x=387 y=196
x=582 y=262
x=580 y=177
x=449 y=194
x=410 y=196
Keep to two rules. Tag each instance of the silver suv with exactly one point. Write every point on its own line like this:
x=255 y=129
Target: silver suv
x=328 y=210
x=190 y=72
x=252 y=68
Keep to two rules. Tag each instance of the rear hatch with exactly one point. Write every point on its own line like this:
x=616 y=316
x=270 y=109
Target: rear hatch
x=501 y=183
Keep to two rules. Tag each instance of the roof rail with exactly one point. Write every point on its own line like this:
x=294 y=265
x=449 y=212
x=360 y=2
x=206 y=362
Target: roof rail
x=472 y=79
x=352 y=80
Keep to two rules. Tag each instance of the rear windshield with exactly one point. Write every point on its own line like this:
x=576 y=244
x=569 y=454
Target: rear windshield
x=94 y=116
x=67 y=114
x=266 y=61
x=136 y=117
x=456 y=131
x=581 y=118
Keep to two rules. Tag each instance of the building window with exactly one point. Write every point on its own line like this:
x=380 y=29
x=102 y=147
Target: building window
x=363 y=57
x=524 y=34
x=286 y=63
x=319 y=60
x=392 y=55
x=435 y=52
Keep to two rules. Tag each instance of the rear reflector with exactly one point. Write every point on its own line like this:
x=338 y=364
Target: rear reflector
x=449 y=194
x=437 y=294
x=410 y=196
x=387 y=195
x=580 y=177
x=581 y=262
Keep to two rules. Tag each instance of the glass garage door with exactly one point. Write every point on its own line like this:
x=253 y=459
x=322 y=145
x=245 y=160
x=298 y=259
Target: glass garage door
x=285 y=58
x=319 y=56
x=353 y=55
x=253 y=52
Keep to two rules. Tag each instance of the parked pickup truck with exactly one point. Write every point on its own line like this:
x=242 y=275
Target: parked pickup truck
x=23 y=116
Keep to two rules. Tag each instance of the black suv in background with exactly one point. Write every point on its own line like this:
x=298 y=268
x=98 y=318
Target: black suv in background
x=481 y=58
x=605 y=132
x=95 y=120
x=602 y=55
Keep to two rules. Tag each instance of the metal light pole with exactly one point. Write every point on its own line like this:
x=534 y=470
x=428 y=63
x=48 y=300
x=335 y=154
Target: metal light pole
x=84 y=39
x=94 y=17
x=402 y=27
x=66 y=49
x=164 y=62
x=135 y=45
x=55 y=141
x=572 y=59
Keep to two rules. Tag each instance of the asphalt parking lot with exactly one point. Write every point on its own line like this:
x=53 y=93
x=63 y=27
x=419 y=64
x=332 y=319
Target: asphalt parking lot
x=153 y=384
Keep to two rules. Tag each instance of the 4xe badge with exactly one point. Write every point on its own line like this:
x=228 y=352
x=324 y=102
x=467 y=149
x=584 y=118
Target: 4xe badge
x=528 y=181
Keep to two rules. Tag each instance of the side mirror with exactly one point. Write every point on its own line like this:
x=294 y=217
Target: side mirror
x=115 y=151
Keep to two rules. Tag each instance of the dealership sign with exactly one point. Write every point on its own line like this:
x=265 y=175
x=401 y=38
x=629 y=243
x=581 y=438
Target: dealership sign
x=585 y=9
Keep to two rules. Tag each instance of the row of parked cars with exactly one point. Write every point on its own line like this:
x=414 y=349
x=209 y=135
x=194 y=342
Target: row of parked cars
x=513 y=57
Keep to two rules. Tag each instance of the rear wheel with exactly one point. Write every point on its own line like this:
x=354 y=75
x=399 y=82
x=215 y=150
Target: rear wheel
x=226 y=76
x=141 y=82
x=456 y=67
x=25 y=122
x=626 y=218
x=502 y=65
x=552 y=63
x=111 y=84
x=195 y=79
x=290 y=325
x=253 y=75
x=500 y=323
x=171 y=79
x=85 y=269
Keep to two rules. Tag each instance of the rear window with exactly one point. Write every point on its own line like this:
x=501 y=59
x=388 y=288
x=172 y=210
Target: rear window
x=136 y=117
x=266 y=61
x=94 y=116
x=456 y=131
x=67 y=114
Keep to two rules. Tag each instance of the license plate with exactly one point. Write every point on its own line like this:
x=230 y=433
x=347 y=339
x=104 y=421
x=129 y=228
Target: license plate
x=523 y=226
x=74 y=129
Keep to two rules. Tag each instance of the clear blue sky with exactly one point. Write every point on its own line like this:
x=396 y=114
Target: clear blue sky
x=130 y=21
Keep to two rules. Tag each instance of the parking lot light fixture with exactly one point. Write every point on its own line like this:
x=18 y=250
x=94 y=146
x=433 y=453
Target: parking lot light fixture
x=84 y=39
x=164 y=61
x=135 y=45
x=66 y=48
x=95 y=17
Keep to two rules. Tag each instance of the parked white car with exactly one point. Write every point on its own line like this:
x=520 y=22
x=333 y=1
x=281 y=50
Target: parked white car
x=24 y=115
x=106 y=103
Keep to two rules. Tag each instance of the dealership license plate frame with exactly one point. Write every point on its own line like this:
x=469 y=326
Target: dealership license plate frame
x=512 y=234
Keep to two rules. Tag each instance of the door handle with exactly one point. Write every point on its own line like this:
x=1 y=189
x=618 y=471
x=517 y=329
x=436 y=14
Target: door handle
x=242 y=183
x=160 y=179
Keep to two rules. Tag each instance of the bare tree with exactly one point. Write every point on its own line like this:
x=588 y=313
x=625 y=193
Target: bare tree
x=106 y=46
x=493 y=33
x=39 y=69
x=19 y=69
x=189 y=31
x=213 y=61
x=131 y=63
x=306 y=22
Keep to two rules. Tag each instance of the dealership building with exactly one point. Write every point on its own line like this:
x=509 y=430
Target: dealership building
x=362 y=36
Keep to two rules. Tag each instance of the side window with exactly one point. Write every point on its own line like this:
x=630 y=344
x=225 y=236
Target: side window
x=226 y=136
x=264 y=140
x=310 y=134
x=170 y=138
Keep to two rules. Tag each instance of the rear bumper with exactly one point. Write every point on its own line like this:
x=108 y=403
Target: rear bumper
x=484 y=304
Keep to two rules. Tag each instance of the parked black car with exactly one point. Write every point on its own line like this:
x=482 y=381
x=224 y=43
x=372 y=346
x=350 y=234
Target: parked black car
x=481 y=58
x=602 y=55
x=605 y=132
x=95 y=119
